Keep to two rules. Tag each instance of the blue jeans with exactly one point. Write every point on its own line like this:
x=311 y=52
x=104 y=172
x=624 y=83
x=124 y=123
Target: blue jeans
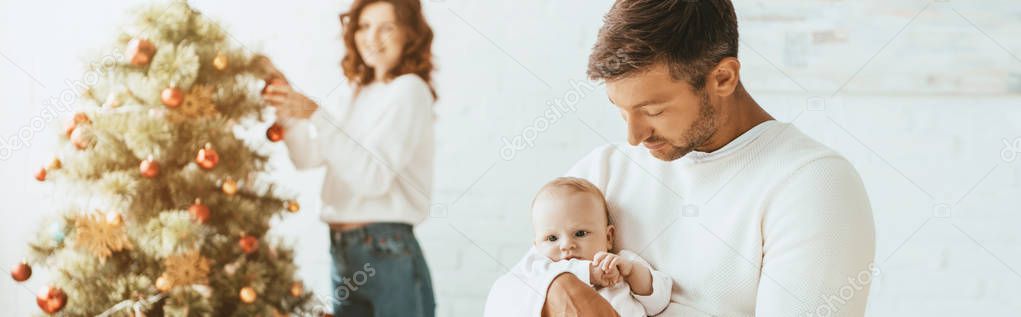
x=379 y=271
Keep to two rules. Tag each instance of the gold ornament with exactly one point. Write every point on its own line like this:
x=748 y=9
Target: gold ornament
x=297 y=289
x=248 y=295
x=186 y=269
x=163 y=283
x=198 y=103
x=220 y=61
x=98 y=236
x=230 y=186
x=293 y=206
x=56 y=164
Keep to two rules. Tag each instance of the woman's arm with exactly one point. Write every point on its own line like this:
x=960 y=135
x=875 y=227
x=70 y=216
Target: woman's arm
x=371 y=163
x=302 y=147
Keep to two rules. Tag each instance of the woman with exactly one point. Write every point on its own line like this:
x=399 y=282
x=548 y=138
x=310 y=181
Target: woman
x=378 y=159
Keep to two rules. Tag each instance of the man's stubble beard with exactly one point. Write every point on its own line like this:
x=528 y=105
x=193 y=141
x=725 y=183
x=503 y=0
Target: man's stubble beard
x=698 y=134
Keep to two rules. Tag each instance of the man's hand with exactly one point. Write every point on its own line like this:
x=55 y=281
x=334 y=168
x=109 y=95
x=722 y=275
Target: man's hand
x=570 y=297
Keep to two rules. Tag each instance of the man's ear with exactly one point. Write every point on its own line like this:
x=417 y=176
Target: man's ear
x=725 y=77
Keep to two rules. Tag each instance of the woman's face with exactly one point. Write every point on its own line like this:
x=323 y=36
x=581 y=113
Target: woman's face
x=379 y=38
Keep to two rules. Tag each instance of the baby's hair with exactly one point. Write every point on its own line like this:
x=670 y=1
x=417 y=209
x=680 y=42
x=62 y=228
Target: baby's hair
x=576 y=185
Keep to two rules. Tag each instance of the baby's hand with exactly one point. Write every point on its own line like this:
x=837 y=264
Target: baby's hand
x=597 y=277
x=614 y=266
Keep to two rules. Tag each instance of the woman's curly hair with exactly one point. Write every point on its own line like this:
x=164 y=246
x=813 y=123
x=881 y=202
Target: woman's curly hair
x=417 y=53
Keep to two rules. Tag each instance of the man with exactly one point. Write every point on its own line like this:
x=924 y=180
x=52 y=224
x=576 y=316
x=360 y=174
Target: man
x=747 y=215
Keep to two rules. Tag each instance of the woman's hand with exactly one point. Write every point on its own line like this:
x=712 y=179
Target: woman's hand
x=289 y=103
x=280 y=94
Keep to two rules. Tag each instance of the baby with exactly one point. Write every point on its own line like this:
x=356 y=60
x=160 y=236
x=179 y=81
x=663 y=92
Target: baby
x=572 y=223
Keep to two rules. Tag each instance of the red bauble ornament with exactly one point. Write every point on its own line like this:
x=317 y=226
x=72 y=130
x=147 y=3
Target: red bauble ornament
x=149 y=168
x=41 y=175
x=199 y=211
x=21 y=272
x=51 y=299
x=207 y=157
x=172 y=97
x=275 y=133
x=79 y=118
x=248 y=244
x=140 y=51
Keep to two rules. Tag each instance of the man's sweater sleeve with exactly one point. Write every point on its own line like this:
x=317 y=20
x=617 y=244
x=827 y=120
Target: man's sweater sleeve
x=818 y=243
x=522 y=291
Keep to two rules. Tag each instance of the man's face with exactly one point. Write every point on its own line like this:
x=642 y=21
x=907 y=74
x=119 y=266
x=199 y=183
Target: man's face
x=662 y=113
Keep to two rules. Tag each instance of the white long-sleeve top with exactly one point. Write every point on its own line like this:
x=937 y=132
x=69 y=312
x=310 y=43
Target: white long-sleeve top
x=527 y=280
x=378 y=158
x=772 y=224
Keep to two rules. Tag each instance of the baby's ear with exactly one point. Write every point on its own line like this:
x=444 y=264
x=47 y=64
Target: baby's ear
x=610 y=230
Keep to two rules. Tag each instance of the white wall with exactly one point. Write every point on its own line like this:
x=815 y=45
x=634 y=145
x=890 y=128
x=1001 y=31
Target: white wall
x=922 y=96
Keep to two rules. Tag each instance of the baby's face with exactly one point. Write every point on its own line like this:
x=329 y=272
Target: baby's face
x=570 y=225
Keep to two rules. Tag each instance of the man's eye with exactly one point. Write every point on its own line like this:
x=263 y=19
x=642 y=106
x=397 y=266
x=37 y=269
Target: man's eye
x=651 y=114
x=580 y=233
x=551 y=238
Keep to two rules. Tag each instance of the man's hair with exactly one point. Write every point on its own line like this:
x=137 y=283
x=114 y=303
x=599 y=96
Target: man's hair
x=576 y=185
x=689 y=36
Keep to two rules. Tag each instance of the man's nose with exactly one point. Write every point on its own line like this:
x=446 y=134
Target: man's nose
x=637 y=131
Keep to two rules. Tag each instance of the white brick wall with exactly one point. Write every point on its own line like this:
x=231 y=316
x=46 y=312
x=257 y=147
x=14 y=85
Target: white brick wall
x=929 y=100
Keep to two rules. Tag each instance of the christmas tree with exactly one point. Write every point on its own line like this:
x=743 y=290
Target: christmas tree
x=171 y=213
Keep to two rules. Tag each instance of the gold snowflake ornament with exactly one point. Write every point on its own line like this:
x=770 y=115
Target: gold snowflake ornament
x=198 y=103
x=100 y=235
x=187 y=268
